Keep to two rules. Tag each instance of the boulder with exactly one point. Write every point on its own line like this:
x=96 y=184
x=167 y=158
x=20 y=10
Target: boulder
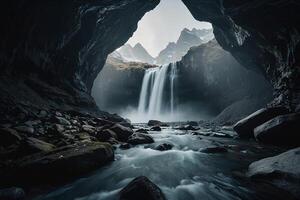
x=246 y=126
x=283 y=170
x=60 y=165
x=156 y=123
x=122 y=132
x=155 y=128
x=13 y=193
x=105 y=135
x=141 y=188
x=142 y=130
x=25 y=129
x=164 y=147
x=36 y=145
x=125 y=146
x=88 y=128
x=282 y=130
x=192 y=123
x=140 y=138
x=62 y=121
x=187 y=127
x=216 y=149
x=9 y=137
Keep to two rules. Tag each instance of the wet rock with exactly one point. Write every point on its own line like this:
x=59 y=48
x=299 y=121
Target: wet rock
x=142 y=130
x=141 y=188
x=106 y=134
x=13 y=193
x=164 y=147
x=84 y=137
x=61 y=164
x=192 y=123
x=36 y=145
x=156 y=123
x=216 y=149
x=140 y=138
x=221 y=135
x=59 y=128
x=282 y=130
x=42 y=114
x=125 y=146
x=155 y=128
x=9 y=137
x=25 y=129
x=246 y=126
x=88 y=128
x=186 y=128
x=33 y=123
x=122 y=132
x=283 y=170
x=62 y=121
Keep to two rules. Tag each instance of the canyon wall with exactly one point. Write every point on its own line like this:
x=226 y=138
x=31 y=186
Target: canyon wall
x=262 y=36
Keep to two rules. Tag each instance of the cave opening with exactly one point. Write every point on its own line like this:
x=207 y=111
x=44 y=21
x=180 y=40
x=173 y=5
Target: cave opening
x=173 y=69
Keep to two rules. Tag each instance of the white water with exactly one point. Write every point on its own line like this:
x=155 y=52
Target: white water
x=153 y=102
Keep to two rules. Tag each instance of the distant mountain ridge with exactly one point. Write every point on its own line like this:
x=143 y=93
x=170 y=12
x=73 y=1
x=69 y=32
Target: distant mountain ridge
x=173 y=52
x=137 y=53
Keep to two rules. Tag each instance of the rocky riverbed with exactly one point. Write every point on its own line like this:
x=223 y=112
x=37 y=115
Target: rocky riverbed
x=72 y=155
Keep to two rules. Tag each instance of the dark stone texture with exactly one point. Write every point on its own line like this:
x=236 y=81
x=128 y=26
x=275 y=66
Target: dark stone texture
x=12 y=193
x=245 y=127
x=141 y=188
x=52 y=51
x=140 y=138
x=281 y=130
x=262 y=35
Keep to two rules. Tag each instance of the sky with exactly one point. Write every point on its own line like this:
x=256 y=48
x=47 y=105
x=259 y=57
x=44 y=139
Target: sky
x=163 y=25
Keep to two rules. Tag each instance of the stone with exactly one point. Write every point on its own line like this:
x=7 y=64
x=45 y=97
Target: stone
x=156 y=123
x=192 y=123
x=13 y=193
x=125 y=146
x=88 y=128
x=62 y=121
x=105 y=135
x=283 y=170
x=282 y=130
x=216 y=149
x=164 y=147
x=36 y=145
x=141 y=188
x=221 y=135
x=62 y=164
x=122 y=132
x=245 y=127
x=42 y=114
x=33 y=123
x=140 y=138
x=155 y=128
x=25 y=129
x=84 y=137
x=59 y=128
x=142 y=130
x=9 y=137
x=187 y=127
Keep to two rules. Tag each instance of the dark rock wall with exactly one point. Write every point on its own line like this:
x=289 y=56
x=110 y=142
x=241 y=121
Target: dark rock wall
x=55 y=49
x=262 y=35
x=116 y=89
x=212 y=77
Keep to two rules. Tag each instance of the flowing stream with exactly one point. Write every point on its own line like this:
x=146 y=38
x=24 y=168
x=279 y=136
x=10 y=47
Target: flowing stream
x=183 y=173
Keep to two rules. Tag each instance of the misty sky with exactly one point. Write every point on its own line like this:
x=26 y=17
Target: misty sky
x=163 y=25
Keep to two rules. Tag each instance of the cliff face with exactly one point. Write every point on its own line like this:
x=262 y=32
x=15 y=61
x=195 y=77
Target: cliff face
x=212 y=77
x=52 y=51
x=118 y=85
x=262 y=36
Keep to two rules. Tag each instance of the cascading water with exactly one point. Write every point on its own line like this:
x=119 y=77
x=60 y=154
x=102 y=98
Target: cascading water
x=153 y=101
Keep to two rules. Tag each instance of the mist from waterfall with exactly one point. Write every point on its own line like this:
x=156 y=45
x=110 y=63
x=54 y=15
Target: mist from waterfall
x=158 y=93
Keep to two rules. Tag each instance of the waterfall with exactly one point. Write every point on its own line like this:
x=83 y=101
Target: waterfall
x=154 y=92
